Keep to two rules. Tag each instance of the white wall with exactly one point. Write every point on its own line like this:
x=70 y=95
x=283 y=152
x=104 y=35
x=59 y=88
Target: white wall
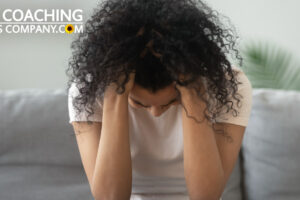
x=37 y=61
x=275 y=21
x=40 y=61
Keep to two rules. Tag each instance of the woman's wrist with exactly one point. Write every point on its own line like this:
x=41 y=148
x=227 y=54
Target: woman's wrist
x=113 y=100
x=189 y=97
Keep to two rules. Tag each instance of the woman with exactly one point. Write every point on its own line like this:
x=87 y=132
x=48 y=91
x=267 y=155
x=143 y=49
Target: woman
x=152 y=78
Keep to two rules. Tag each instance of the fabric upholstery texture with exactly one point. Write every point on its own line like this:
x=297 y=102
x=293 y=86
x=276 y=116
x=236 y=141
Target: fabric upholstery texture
x=39 y=158
x=271 y=146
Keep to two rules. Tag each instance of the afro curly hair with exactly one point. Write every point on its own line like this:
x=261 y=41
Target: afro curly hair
x=158 y=40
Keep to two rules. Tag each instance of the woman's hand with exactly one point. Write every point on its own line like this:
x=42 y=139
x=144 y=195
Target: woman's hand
x=111 y=89
x=129 y=85
x=189 y=91
x=189 y=96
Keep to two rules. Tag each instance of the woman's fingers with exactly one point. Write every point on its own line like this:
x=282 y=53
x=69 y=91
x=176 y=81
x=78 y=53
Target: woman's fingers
x=112 y=87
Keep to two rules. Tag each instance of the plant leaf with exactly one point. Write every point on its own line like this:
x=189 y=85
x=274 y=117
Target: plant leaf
x=269 y=66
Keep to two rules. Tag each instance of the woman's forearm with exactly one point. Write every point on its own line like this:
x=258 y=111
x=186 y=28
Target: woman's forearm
x=112 y=177
x=202 y=163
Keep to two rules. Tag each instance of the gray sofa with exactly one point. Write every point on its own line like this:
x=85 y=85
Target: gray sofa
x=39 y=158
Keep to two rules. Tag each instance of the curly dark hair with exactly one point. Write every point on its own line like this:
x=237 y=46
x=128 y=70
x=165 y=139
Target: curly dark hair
x=157 y=39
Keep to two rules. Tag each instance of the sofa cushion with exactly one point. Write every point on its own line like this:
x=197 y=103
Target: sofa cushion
x=271 y=146
x=39 y=158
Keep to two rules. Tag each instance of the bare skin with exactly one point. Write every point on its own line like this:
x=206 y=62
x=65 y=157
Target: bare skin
x=208 y=158
x=112 y=178
x=155 y=103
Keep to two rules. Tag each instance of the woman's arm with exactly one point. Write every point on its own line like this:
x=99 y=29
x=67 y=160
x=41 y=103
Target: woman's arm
x=202 y=163
x=208 y=157
x=112 y=177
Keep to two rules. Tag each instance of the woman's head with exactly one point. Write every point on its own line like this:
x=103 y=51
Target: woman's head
x=155 y=103
x=159 y=39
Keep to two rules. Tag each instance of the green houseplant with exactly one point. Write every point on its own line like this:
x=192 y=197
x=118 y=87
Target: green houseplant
x=269 y=66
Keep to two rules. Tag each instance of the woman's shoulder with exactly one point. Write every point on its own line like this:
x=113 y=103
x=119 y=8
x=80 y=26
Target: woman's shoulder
x=242 y=77
x=74 y=92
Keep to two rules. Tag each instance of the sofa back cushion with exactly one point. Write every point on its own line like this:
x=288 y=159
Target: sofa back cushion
x=271 y=146
x=233 y=188
x=34 y=128
x=39 y=158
